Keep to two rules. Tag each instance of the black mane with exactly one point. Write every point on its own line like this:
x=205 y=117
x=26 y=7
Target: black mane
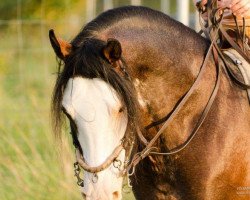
x=147 y=17
x=87 y=61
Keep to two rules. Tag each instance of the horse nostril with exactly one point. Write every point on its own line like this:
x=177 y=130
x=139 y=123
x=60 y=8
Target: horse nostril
x=116 y=195
x=83 y=195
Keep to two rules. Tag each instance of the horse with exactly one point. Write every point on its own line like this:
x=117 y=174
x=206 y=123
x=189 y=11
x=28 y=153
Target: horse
x=126 y=71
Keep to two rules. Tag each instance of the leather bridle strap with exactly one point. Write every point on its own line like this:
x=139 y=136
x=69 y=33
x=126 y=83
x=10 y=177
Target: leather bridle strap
x=202 y=117
x=141 y=136
x=149 y=148
x=80 y=160
x=231 y=73
x=204 y=30
x=234 y=45
x=210 y=33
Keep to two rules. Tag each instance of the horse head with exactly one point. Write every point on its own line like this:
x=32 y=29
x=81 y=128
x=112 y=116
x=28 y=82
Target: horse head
x=168 y=86
x=94 y=92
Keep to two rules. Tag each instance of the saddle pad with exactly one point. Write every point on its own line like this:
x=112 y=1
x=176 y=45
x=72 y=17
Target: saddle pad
x=242 y=64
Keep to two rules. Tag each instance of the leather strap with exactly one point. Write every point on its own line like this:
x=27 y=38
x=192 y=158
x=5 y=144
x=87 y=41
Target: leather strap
x=104 y=165
x=234 y=45
x=150 y=146
x=230 y=72
x=210 y=33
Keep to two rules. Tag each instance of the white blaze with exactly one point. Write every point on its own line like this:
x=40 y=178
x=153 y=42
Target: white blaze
x=141 y=101
x=94 y=106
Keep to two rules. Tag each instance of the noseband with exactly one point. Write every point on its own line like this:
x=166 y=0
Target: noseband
x=103 y=166
x=126 y=144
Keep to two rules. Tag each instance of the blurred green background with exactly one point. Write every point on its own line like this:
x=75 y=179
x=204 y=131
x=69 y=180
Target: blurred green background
x=33 y=165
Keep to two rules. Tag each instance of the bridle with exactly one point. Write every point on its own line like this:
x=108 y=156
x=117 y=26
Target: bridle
x=211 y=32
x=126 y=143
x=129 y=167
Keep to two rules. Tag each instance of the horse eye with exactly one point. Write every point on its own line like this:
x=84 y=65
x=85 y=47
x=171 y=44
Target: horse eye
x=121 y=109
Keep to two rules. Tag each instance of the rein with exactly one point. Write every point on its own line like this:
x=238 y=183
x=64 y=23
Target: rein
x=150 y=149
x=212 y=33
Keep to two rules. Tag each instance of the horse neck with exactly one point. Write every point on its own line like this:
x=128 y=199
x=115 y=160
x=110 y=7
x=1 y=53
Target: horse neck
x=169 y=50
x=163 y=64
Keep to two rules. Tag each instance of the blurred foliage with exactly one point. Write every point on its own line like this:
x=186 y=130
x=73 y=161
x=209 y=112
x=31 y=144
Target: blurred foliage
x=29 y=9
x=32 y=165
x=8 y=9
x=34 y=9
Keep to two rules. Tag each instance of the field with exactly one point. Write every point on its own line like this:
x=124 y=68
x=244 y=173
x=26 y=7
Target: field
x=33 y=164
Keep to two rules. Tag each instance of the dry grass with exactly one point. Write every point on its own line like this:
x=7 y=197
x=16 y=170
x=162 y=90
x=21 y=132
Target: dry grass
x=32 y=166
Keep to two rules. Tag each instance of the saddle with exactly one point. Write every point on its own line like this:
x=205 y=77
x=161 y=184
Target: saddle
x=242 y=64
x=234 y=35
x=232 y=41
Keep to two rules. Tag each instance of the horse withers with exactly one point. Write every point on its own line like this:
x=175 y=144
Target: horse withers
x=124 y=73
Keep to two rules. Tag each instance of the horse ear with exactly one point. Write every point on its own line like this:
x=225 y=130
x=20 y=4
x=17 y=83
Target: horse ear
x=61 y=47
x=113 y=50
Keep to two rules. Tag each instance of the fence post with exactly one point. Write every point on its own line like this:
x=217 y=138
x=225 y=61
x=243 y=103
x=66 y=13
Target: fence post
x=136 y=2
x=183 y=11
x=197 y=26
x=90 y=9
x=165 y=6
x=108 y=4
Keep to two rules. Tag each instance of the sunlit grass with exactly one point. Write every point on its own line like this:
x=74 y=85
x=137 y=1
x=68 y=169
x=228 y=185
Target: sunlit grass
x=33 y=165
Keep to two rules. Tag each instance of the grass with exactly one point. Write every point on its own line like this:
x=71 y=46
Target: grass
x=32 y=164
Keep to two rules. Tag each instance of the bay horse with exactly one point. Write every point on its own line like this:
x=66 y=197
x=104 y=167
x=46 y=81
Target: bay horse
x=122 y=74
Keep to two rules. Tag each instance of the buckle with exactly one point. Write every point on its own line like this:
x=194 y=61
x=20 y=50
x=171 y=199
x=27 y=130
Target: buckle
x=202 y=8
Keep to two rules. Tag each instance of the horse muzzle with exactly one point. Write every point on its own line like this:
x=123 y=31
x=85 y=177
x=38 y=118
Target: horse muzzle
x=116 y=195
